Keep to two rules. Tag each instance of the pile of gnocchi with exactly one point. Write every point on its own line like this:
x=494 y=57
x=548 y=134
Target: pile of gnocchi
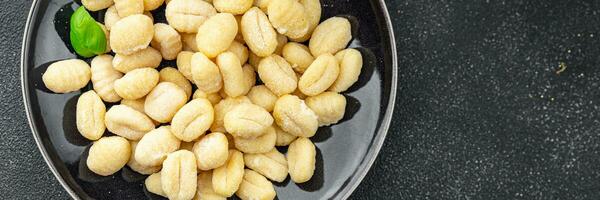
x=204 y=129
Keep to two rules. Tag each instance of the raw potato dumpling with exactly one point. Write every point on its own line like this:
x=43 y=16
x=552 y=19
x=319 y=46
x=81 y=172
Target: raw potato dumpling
x=205 y=73
x=330 y=36
x=283 y=138
x=312 y=10
x=154 y=147
x=148 y=57
x=239 y=50
x=184 y=64
x=211 y=151
x=320 y=75
x=351 y=62
x=96 y=5
x=167 y=40
x=260 y=144
x=329 y=106
x=193 y=120
x=127 y=122
x=136 y=83
x=127 y=8
x=90 y=115
x=295 y=117
x=170 y=74
x=108 y=155
x=223 y=108
x=227 y=178
x=277 y=75
x=288 y=17
x=248 y=121
x=301 y=158
x=67 y=76
x=298 y=55
x=214 y=98
x=258 y=33
x=111 y=17
x=164 y=101
x=232 y=73
x=152 y=4
x=179 y=175
x=271 y=164
x=236 y=7
x=131 y=34
x=205 y=189
x=187 y=15
x=255 y=186
x=189 y=42
x=104 y=77
x=136 y=166
x=154 y=185
x=216 y=34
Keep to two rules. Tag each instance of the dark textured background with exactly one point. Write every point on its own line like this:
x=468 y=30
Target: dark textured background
x=481 y=112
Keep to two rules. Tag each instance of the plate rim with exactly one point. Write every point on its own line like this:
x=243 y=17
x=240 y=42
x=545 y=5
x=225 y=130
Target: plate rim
x=362 y=170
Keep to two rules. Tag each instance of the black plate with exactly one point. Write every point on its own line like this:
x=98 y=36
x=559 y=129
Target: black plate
x=345 y=151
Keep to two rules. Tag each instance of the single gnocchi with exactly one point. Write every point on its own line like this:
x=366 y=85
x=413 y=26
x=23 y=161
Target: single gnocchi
x=283 y=138
x=288 y=17
x=179 y=175
x=227 y=178
x=170 y=74
x=295 y=117
x=184 y=64
x=205 y=189
x=90 y=115
x=127 y=122
x=131 y=34
x=164 y=101
x=249 y=78
x=148 y=57
x=96 y=5
x=301 y=158
x=216 y=34
x=193 y=120
x=103 y=78
x=136 y=83
x=187 y=15
x=154 y=185
x=205 y=73
x=155 y=145
x=255 y=186
x=223 y=108
x=278 y=75
x=258 y=33
x=312 y=10
x=320 y=75
x=247 y=120
x=329 y=107
x=152 y=4
x=127 y=8
x=261 y=96
x=260 y=144
x=272 y=164
x=138 y=167
x=232 y=73
x=211 y=151
x=108 y=155
x=236 y=7
x=239 y=50
x=330 y=36
x=351 y=62
x=189 y=42
x=67 y=76
x=298 y=55
x=214 y=98
x=167 y=40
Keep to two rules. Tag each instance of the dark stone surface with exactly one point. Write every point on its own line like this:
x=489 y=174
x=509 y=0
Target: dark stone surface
x=481 y=112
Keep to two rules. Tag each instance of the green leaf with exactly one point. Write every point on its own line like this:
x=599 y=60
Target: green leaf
x=87 y=37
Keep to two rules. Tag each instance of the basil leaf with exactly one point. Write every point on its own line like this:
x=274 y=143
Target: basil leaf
x=87 y=37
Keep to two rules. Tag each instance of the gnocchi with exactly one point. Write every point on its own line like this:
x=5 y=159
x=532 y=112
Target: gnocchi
x=295 y=117
x=169 y=74
x=232 y=73
x=330 y=36
x=179 y=175
x=288 y=17
x=236 y=7
x=277 y=75
x=298 y=55
x=223 y=108
x=193 y=120
x=136 y=83
x=148 y=57
x=260 y=144
x=90 y=115
x=261 y=96
x=272 y=164
x=187 y=15
x=320 y=75
x=227 y=178
x=301 y=158
x=108 y=155
x=155 y=145
x=184 y=64
x=127 y=8
x=258 y=33
x=127 y=122
x=247 y=120
x=154 y=185
x=167 y=40
x=328 y=106
x=211 y=151
x=216 y=34
x=351 y=62
x=206 y=74
x=96 y=5
x=67 y=76
x=255 y=186
x=164 y=101
x=138 y=167
x=205 y=189
x=103 y=78
x=131 y=34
